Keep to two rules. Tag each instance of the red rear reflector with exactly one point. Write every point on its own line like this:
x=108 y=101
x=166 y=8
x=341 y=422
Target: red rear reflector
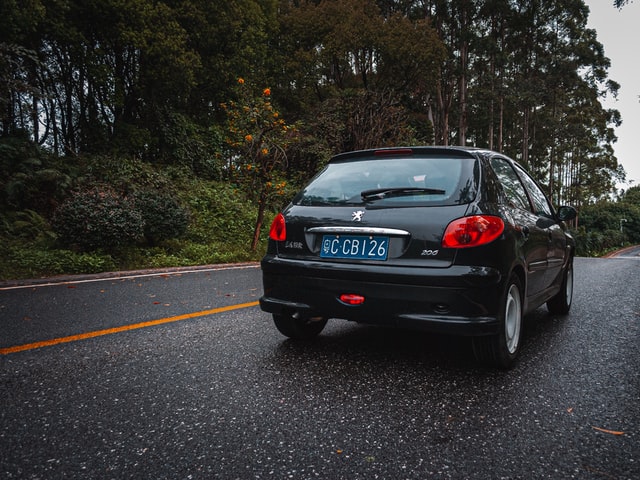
x=278 y=230
x=472 y=231
x=352 y=299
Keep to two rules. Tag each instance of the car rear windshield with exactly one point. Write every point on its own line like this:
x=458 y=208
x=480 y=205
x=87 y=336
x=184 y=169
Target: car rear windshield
x=403 y=181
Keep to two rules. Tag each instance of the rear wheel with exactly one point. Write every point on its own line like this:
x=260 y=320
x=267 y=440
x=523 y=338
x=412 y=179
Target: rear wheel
x=561 y=303
x=502 y=349
x=299 y=328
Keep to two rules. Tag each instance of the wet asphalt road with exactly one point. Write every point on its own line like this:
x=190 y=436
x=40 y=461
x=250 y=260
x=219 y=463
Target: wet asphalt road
x=224 y=396
x=628 y=252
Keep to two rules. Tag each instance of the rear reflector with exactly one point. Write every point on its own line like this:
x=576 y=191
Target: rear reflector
x=351 y=299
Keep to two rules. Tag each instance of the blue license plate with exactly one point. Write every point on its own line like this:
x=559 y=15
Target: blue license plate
x=356 y=247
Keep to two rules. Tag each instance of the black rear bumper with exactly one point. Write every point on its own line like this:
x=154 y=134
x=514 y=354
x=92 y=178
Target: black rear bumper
x=455 y=300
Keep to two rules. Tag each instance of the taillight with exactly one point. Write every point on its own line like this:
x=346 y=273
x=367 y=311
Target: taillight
x=278 y=230
x=472 y=231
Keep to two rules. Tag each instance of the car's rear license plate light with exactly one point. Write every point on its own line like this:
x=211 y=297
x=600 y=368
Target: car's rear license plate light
x=355 y=247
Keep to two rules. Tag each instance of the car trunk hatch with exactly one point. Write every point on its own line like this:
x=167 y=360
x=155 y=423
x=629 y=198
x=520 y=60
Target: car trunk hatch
x=408 y=236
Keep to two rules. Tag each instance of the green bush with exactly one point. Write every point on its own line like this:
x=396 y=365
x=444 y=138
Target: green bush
x=98 y=218
x=117 y=202
x=31 y=178
x=163 y=216
x=125 y=174
x=28 y=226
x=30 y=262
x=594 y=243
x=219 y=213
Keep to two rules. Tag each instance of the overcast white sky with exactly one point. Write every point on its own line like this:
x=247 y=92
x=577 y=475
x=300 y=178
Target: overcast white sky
x=619 y=32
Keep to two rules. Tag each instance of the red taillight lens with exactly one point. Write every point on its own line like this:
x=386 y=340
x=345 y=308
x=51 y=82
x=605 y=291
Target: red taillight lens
x=472 y=231
x=278 y=230
x=352 y=299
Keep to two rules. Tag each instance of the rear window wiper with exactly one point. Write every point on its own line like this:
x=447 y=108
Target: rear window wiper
x=379 y=193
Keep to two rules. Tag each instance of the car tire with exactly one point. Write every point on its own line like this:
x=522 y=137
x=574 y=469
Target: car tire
x=502 y=350
x=561 y=303
x=299 y=328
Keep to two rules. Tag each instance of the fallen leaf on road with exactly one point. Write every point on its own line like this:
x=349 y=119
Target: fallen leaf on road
x=611 y=432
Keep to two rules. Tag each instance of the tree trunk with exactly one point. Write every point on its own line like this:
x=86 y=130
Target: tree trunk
x=262 y=205
x=525 y=139
x=501 y=124
x=462 y=84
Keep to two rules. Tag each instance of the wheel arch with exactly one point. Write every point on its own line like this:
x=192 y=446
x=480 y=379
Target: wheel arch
x=519 y=271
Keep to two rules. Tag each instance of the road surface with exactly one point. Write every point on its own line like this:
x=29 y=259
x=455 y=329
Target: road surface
x=181 y=376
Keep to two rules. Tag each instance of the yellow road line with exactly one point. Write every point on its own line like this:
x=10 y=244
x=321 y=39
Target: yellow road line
x=124 y=328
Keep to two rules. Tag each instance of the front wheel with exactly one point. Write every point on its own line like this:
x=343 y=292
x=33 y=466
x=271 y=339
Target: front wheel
x=298 y=328
x=561 y=303
x=502 y=349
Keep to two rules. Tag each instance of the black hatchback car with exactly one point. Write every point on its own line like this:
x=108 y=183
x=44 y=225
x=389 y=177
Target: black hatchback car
x=445 y=239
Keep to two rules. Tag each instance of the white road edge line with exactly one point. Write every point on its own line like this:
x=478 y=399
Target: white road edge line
x=129 y=276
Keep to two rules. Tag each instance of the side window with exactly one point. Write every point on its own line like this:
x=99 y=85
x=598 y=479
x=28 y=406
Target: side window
x=511 y=184
x=540 y=203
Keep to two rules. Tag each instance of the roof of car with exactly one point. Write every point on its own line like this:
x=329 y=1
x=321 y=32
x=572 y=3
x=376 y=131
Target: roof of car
x=448 y=151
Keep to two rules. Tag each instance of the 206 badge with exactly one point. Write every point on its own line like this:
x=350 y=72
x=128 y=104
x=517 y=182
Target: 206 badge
x=357 y=216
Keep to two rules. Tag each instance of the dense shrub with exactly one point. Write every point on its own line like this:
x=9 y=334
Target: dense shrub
x=116 y=203
x=30 y=178
x=593 y=243
x=30 y=262
x=219 y=213
x=97 y=218
x=125 y=174
x=163 y=216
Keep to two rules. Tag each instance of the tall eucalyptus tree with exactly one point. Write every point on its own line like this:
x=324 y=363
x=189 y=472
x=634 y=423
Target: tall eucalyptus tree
x=527 y=78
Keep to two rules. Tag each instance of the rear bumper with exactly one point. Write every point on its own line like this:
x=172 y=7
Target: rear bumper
x=455 y=300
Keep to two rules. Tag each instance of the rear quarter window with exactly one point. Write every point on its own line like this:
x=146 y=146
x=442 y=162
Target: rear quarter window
x=512 y=186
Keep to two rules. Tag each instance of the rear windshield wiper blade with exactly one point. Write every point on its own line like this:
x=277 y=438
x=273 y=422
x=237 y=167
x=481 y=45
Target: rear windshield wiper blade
x=379 y=193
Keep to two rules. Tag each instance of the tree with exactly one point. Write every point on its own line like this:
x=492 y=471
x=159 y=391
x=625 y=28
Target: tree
x=632 y=196
x=233 y=38
x=106 y=72
x=18 y=64
x=258 y=138
x=621 y=217
x=146 y=78
x=537 y=77
x=353 y=69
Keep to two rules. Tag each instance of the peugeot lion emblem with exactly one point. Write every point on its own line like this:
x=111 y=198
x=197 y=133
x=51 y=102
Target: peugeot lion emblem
x=357 y=216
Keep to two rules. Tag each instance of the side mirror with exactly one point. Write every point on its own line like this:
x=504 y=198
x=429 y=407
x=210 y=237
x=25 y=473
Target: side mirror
x=566 y=213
